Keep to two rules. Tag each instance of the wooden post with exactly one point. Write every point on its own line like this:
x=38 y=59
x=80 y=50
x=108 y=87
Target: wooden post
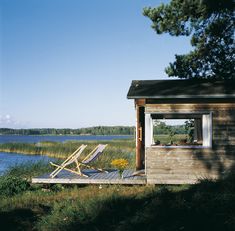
x=140 y=130
x=138 y=142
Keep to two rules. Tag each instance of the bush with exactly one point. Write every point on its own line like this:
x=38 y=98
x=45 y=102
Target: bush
x=11 y=185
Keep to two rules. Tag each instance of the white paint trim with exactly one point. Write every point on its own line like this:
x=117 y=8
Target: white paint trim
x=148 y=130
x=206 y=130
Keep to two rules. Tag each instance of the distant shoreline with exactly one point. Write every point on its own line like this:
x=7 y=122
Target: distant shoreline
x=61 y=135
x=89 y=131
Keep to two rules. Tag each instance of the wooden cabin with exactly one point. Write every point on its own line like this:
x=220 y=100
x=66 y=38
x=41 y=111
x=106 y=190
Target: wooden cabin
x=210 y=108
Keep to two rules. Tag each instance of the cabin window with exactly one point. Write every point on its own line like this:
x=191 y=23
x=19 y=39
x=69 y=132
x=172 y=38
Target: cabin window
x=178 y=130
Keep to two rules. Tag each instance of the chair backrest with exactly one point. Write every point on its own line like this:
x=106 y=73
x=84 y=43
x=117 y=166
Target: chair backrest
x=99 y=150
x=76 y=154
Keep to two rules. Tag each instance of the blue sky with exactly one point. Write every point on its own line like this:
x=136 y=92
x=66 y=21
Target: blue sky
x=69 y=63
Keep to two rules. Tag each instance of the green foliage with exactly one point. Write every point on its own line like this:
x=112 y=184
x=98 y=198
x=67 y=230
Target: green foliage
x=166 y=139
x=189 y=127
x=29 y=170
x=160 y=128
x=211 y=26
x=171 y=132
x=11 y=185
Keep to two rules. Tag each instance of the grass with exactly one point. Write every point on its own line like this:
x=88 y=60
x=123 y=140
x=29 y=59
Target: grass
x=61 y=150
x=165 y=139
x=115 y=149
x=208 y=205
x=29 y=170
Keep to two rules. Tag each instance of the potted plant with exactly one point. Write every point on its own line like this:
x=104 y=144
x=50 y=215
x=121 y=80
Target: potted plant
x=120 y=164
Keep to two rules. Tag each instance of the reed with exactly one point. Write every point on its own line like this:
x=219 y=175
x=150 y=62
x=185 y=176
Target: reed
x=116 y=149
x=29 y=170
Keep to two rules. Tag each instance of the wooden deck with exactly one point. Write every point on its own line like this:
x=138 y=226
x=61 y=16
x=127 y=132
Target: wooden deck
x=112 y=177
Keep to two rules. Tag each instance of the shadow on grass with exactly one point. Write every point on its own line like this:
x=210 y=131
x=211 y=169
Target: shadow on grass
x=18 y=219
x=206 y=206
x=22 y=219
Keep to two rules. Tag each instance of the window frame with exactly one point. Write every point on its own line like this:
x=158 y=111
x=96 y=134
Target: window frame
x=207 y=131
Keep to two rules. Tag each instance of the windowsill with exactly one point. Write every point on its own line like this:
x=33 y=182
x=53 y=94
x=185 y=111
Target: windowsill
x=175 y=147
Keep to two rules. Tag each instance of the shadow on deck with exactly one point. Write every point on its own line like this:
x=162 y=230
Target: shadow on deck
x=112 y=177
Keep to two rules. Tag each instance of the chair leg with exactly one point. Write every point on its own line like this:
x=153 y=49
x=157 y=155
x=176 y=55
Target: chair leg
x=69 y=159
x=78 y=167
x=70 y=170
x=57 y=170
x=99 y=169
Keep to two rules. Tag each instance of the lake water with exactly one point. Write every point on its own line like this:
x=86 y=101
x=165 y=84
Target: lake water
x=36 y=139
x=11 y=159
x=8 y=160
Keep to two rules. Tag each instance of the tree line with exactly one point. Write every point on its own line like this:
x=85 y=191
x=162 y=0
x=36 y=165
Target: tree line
x=99 y=130
x=160 y=128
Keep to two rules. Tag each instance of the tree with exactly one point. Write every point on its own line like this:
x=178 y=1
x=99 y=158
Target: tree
x=210 y=23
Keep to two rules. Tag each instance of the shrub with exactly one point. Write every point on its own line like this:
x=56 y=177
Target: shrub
x=11 y=185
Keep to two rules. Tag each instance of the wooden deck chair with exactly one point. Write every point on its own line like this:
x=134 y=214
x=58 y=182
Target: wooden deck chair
x=92 y=156
x=71 y=159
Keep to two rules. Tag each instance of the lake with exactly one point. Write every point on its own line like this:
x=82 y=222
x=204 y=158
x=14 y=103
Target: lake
x=36 y=139
x=8 y=160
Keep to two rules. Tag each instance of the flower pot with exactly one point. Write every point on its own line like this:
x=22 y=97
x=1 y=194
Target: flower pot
x=120 y=174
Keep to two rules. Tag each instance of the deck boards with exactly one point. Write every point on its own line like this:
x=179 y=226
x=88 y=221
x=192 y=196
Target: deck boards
x=95 y=177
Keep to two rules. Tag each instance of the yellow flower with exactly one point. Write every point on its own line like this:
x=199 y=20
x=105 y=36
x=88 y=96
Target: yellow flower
x=120 y=164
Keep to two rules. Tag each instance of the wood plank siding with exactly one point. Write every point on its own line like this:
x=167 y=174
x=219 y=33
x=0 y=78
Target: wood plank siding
x=173 y=165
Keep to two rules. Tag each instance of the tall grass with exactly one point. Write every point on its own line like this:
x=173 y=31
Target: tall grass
x=166 y=139
x=27 y=209
x=206 y=206
x=29 y=170
x=115 y=149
